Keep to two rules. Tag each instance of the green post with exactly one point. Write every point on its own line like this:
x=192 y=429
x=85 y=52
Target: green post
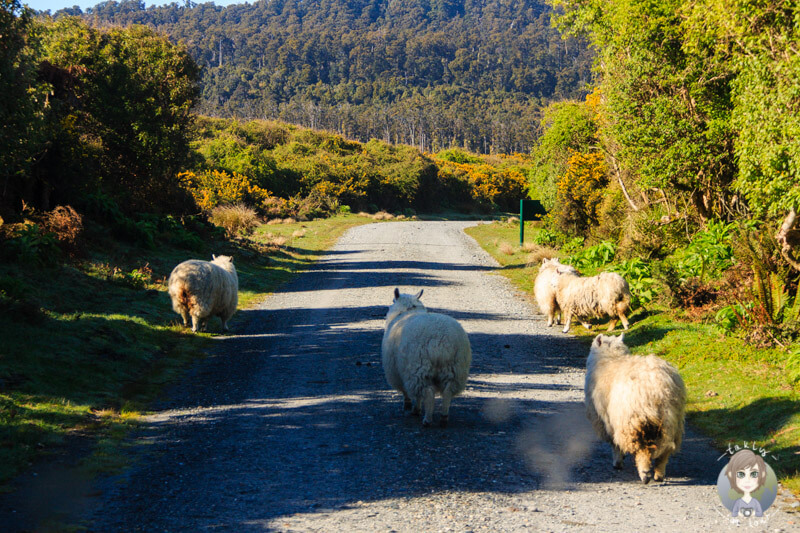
x=521 y=221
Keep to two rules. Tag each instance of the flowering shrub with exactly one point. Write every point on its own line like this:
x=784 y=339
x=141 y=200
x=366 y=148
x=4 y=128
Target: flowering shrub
x=579 y=193
x=489 y=185
x=215 y=187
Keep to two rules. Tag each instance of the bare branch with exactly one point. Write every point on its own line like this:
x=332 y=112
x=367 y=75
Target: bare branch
x=618 y=173
x=789 y=239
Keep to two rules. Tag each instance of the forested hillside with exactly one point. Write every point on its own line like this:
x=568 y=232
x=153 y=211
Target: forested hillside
x=429 y=73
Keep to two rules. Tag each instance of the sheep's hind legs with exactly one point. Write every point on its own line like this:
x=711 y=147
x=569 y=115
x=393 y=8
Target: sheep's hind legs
x=621 y=308
x=447 y=396
x=427 y=404
x=567 y=321
x=619 y=458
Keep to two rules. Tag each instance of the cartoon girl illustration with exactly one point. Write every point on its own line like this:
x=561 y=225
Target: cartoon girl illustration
x=746 y=472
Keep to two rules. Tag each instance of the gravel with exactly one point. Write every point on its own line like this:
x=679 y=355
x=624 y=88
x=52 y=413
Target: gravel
x=290 y=425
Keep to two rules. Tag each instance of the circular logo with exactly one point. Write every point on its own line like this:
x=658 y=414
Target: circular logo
x=747 y=485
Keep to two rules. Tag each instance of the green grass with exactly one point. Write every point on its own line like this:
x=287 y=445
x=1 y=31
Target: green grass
x=737 y=393
x=87 y=345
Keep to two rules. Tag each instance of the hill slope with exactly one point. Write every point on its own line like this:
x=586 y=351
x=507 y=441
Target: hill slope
x=431 y=73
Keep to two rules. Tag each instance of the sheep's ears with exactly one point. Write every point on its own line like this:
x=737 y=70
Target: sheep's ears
x=231 y=259
x=419 y=294
x=213 y=257
x=396 y=293
x=598 y=341
x=621 y=337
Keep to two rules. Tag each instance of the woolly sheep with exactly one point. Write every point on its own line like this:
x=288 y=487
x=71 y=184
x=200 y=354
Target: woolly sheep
x=635 y=403
x=544 y=288
x=424 y=353
x=606 y=294
x=202 y=289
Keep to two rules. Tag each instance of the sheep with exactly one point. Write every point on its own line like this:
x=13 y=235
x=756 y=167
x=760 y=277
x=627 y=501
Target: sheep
x=544 y=289
x=606 y=294
x=635 y=403
x=424 y=353
x=202 y=289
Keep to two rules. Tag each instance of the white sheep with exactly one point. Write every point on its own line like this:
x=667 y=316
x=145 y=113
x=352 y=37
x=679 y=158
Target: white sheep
x=202 y=289
x=635 y=403
x=544 y=288
x=424 y=353
x=606 y=294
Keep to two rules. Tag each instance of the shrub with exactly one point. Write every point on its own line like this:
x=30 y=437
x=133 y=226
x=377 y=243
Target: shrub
x=178 y=235
x=455 y=155
x=548 y=237
x=572 y=245
x=33 y=244
x=66 y=225
x=215 y=187
x=594 y=256
x=235 y=219
x=638 y=274
x=709 y=253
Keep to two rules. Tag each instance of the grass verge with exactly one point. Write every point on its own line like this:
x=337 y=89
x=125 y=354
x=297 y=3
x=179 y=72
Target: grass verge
x=737 y=393
x=86 y=345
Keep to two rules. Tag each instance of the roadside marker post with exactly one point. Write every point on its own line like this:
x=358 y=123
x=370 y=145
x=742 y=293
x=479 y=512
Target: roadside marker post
x=529 y=210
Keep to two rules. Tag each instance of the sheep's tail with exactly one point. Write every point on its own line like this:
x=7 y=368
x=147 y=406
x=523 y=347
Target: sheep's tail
x=648 y=435
x=185 y=298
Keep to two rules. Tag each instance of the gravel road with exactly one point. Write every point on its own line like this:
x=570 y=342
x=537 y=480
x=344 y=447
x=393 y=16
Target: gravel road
x=290 y=425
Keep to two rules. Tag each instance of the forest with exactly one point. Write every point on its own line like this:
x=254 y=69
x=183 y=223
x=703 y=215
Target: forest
x=433 y=74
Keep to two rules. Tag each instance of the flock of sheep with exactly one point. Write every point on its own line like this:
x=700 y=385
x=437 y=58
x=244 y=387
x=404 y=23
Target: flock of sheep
x=635 y=403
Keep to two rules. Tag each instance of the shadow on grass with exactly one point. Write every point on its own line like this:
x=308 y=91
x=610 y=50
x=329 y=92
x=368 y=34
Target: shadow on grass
x=758 y=422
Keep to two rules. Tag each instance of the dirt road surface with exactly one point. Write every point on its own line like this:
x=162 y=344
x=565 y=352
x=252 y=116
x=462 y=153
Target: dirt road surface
x=290 y=425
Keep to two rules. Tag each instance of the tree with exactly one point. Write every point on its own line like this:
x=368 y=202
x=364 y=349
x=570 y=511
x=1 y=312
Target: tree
x=129 y=106
x=567 y=128
x=666 y=106
x=21 y=103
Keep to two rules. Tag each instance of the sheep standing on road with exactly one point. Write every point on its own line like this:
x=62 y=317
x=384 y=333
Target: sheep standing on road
x=202 y=289
x=606 y=294
x=424 y=353
x=544 y=288
x=635 y=403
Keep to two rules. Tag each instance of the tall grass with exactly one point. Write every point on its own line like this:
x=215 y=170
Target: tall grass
x=236 y=219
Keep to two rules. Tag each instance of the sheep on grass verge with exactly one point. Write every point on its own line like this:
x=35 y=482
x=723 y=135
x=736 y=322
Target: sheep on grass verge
x=545 y=286
x=424 y=353
x=635 y=403
x=606 y=294
x=202 y=289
